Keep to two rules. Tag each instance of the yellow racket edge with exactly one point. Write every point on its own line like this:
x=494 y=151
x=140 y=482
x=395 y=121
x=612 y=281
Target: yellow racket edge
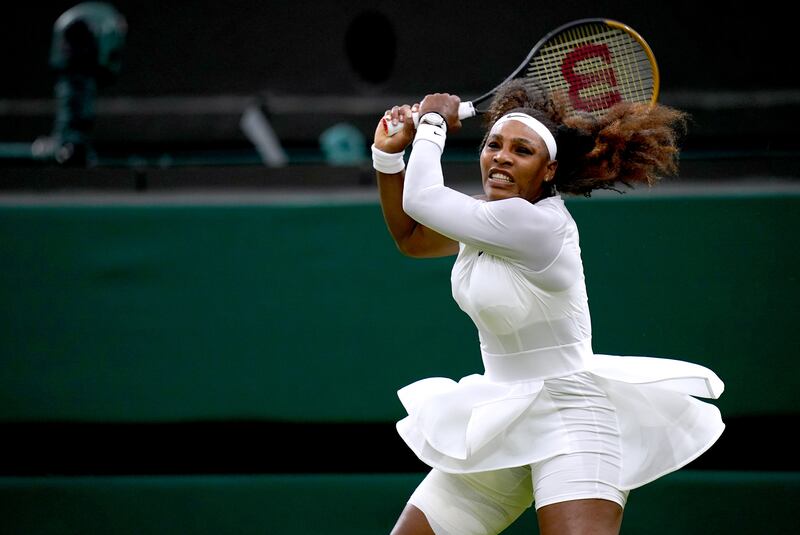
x=633 y=33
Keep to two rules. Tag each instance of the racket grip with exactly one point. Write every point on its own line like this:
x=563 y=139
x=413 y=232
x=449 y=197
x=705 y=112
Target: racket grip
x=465 y=111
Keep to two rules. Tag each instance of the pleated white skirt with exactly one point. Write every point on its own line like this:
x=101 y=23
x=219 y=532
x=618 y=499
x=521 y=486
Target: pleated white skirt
x=640 y=413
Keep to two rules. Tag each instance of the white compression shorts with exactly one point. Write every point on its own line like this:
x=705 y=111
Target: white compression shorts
x=485 y=503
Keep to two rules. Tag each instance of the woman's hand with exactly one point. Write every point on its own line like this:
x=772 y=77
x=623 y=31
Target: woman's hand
x=404 y=137
x=445 y=105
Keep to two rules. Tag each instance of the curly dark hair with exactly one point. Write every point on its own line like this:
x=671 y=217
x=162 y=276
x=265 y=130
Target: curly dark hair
x=631 y=143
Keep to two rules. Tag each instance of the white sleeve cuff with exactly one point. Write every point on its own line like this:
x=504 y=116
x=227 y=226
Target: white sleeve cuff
x=435 y=134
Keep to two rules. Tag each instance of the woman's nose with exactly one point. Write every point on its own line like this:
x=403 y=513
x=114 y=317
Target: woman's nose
x=501 y=157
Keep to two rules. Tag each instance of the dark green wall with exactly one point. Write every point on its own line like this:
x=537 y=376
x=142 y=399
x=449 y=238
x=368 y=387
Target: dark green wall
x=308 y=313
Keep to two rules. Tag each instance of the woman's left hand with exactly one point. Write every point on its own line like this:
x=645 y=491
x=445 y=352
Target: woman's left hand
x=397 y=115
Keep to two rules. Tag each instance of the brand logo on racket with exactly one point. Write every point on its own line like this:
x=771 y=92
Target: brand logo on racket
x=588 y=82
x=592 y=63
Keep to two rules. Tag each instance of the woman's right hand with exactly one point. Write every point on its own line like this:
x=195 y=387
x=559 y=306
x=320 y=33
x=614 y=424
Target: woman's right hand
x=445 y=105
x=404 y=137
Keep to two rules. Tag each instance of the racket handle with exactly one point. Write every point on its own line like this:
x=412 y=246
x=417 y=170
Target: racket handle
x=465 y=111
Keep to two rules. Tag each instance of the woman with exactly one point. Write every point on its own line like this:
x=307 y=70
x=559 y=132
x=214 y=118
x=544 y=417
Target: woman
x=549 y=422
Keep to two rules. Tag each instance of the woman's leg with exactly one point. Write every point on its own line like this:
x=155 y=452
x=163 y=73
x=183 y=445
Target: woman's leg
x=482 y=503
x=412 y=521
x=575 y=492
x=580 y=517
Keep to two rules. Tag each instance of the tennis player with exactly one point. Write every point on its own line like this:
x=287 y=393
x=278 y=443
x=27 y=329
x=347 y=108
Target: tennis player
x=548 y=422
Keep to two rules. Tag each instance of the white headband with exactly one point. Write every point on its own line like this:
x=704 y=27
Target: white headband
x=534 y=125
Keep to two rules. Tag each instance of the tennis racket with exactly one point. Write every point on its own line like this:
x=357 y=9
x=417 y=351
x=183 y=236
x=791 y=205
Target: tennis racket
x=589 y=64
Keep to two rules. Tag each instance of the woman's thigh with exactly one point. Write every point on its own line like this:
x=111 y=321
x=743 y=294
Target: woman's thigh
x=483 y=503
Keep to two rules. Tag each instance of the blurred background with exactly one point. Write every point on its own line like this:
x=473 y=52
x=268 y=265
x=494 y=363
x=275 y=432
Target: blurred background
x=204 y=323
x=181 y=82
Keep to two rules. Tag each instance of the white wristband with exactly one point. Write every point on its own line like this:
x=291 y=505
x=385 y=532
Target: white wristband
x=434 y=134
x=387 y=163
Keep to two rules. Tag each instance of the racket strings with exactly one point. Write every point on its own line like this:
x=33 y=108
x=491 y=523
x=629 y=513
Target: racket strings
x=626 y=74
x=628 y=62
x=596 y=66
x=627 y=50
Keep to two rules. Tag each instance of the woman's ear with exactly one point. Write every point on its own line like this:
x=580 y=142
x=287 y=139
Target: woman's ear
x=551 y=170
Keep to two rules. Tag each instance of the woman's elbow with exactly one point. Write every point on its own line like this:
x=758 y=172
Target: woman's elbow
x=409 y=203
x=409 y=248
x=415 y=206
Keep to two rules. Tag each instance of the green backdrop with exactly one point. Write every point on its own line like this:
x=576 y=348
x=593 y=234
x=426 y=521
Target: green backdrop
x=173 y=312
x=169 y=312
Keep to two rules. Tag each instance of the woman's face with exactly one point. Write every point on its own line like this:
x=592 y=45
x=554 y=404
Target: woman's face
x=514 y=163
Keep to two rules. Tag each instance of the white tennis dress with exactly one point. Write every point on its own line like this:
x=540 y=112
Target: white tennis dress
x=519 y=276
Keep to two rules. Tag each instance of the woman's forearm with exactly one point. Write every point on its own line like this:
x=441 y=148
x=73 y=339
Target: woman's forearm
x=411 y=238
x=390 y=190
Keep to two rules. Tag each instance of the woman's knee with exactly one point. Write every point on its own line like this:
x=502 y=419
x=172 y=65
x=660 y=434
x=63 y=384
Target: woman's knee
x=580 y=517
x=412 y=521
